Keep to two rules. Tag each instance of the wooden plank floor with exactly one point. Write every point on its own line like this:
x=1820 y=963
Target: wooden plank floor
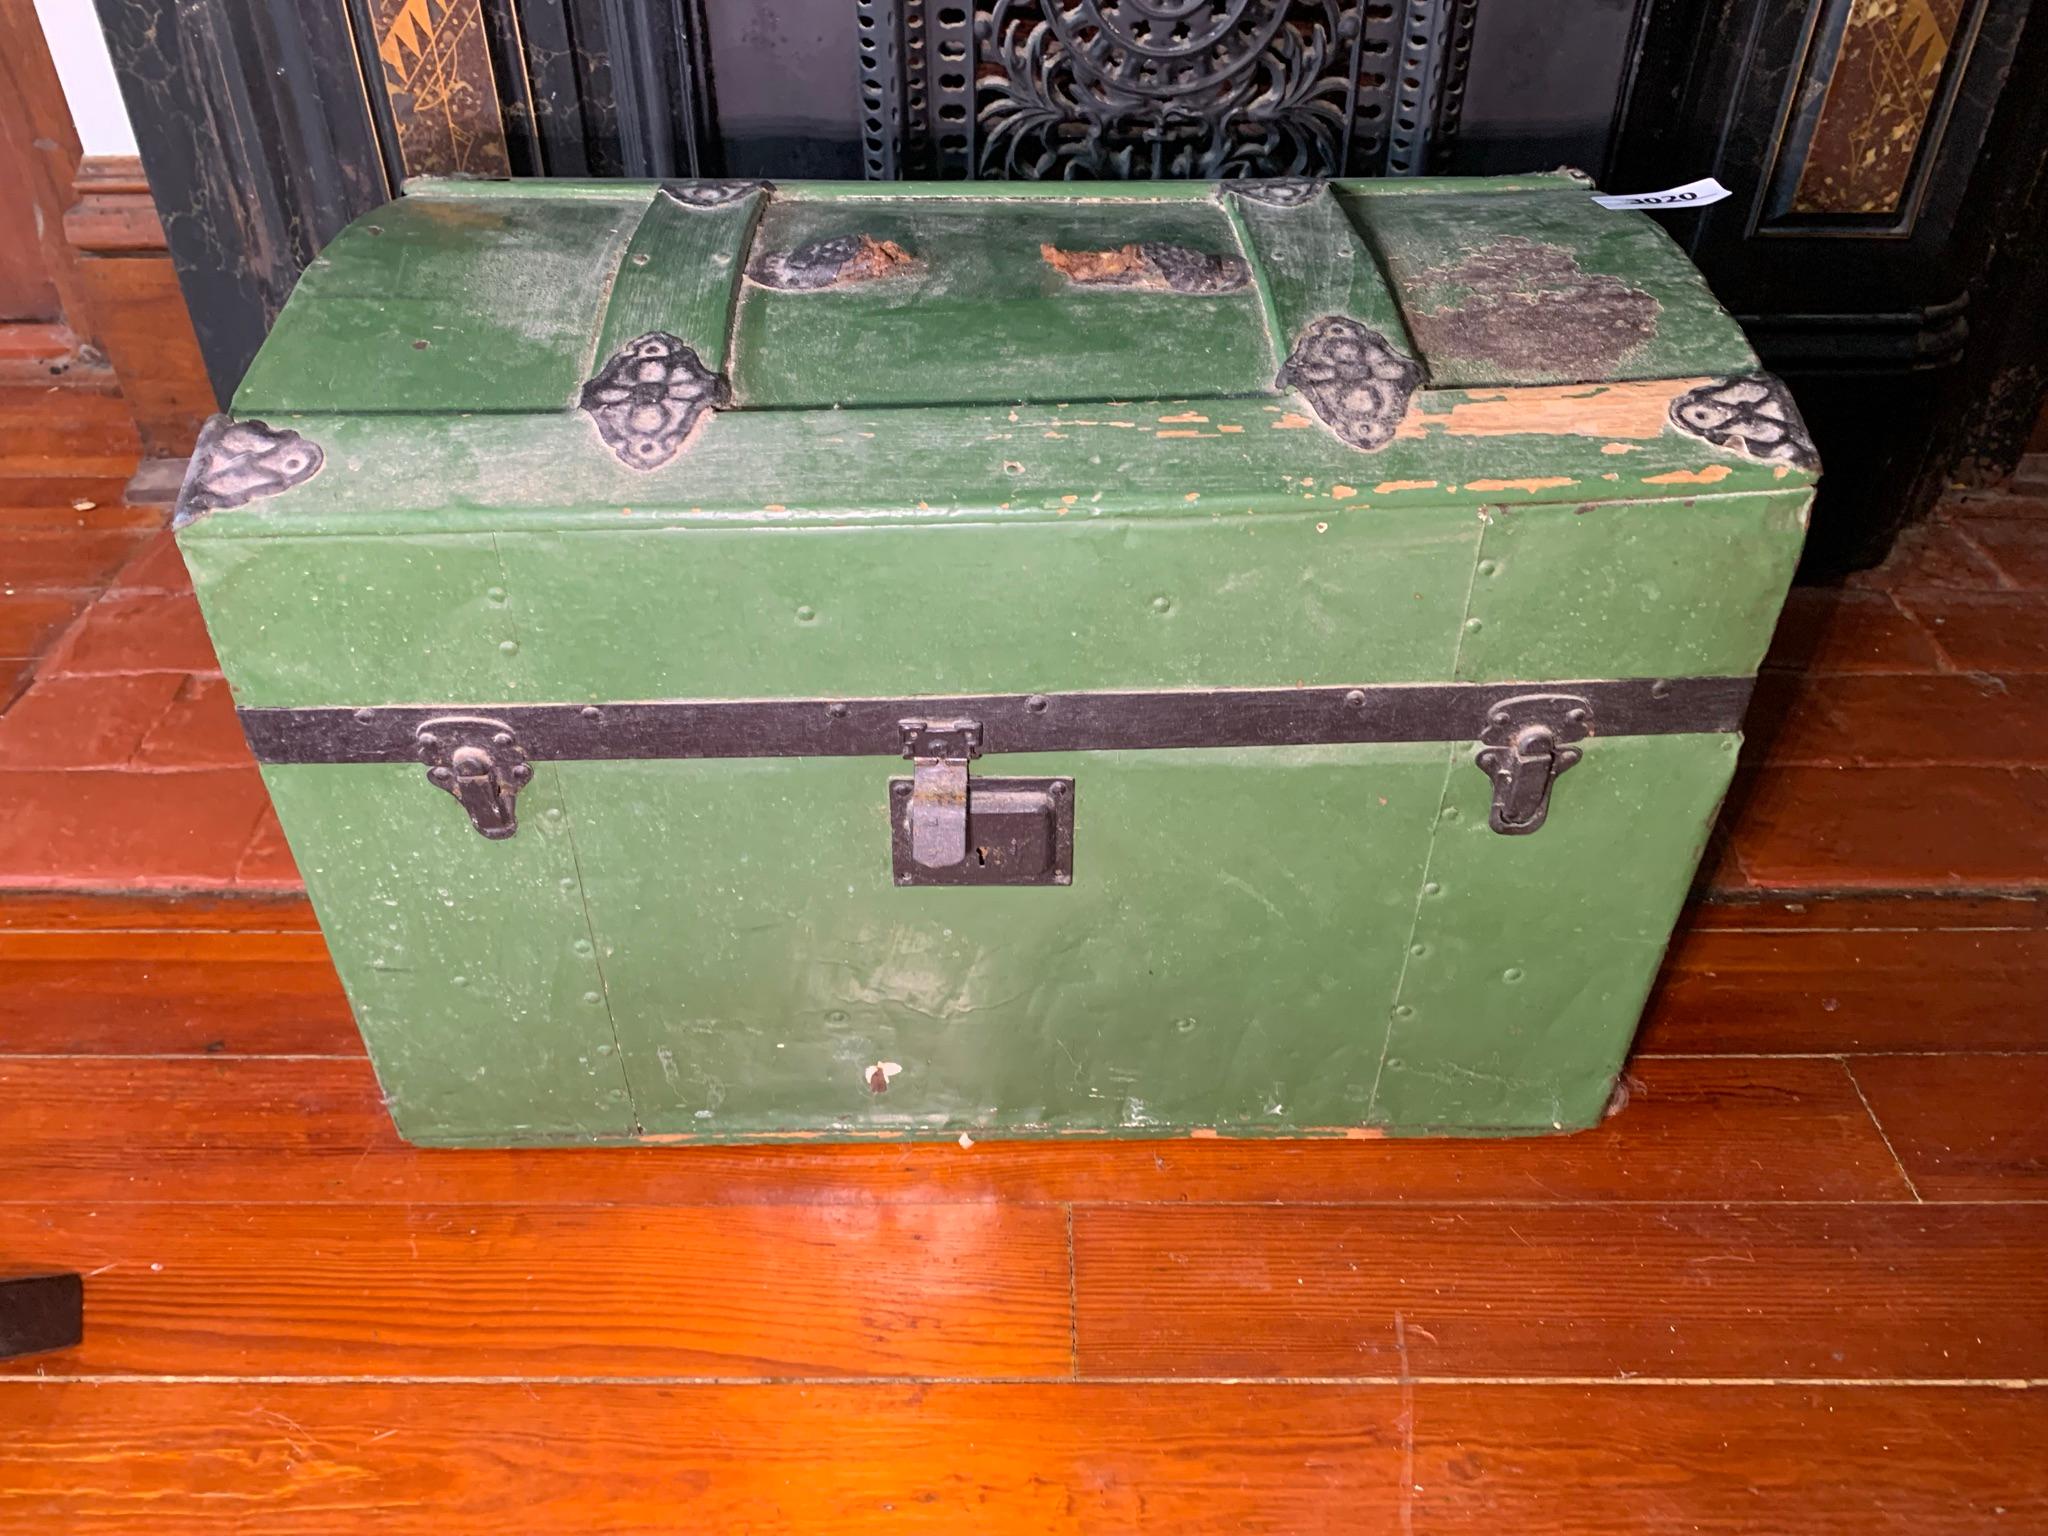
x=1794 y=1286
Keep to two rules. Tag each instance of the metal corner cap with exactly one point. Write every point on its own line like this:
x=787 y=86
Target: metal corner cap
x=237 y=462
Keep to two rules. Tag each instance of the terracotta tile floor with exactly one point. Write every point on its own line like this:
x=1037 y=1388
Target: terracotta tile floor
x=1889 y=749
x=120 y=761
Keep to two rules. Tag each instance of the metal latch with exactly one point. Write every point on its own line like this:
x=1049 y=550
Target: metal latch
x=949 y=829
x=941 y=749
x=1527 y=744
x=480 y=762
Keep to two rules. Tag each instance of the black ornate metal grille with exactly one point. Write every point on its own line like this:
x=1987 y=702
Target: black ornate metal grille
x=1131 y=89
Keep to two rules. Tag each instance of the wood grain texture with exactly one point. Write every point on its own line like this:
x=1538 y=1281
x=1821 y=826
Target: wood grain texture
x=1896 y=910
x=146 y=332
x=1854 y=990
x=114 y=213
x=1997 y=632
x=1965 y=1127
x=1450 y=1460
x=170 y=992
x=1831 y=631
x=39 y=154
x=1892 y=722
x=270 y=1129
x=1843 y=829
x=144 y=912
x=599 y=1290
x=1812 y=1291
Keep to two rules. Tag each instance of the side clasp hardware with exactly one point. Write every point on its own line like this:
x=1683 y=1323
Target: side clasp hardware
x=1527 y=744
x=479 y=761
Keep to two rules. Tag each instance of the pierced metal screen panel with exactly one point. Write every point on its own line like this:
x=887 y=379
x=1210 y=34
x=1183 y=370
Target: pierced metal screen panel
x=1133 y=89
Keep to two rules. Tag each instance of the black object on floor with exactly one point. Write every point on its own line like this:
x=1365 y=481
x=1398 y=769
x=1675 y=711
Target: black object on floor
x=40 y=1312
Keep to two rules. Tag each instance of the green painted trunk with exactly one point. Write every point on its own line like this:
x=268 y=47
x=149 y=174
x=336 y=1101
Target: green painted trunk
x=1353 y=442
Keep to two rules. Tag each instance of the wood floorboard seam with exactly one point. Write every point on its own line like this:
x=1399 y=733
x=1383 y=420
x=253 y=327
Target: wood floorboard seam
x=1073 y=1295
x=1660 y=1055
x=1407 y=1428
x=1883 y=1134
x=1163 y=1202
x=357 y=1056
x=1949 y=1383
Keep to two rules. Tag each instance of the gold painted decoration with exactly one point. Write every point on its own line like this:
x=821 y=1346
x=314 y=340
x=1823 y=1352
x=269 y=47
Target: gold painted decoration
x=443 y=94
x=1886 y=76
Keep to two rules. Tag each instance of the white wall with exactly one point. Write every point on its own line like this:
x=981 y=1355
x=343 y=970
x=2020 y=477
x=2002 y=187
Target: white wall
x=80 y=50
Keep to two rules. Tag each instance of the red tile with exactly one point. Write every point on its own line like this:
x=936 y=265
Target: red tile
x=68 y=721
x=51 y=557
x=2017 y=546
x=138 y=632
x=1999 y=632
x=158 y=568
x=30 y=621
x=1863 y=828
x=1839 y=629
x=267 y=862
x=197 y=730
x=1930 y=554
x=114 y=827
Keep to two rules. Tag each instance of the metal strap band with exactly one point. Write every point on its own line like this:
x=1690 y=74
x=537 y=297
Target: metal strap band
x=1010 y=722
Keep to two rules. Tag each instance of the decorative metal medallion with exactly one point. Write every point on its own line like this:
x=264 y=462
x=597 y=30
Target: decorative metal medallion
x=1353 y=379
x=650 y=397
x=713 y=194
x=1754 y=415
x=828 y=263
x=1159 y=88
x=235 y=462
x=1149 y=264
x=1279 y=191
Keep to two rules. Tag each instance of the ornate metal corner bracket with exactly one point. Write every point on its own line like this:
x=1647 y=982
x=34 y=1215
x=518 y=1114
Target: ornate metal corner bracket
x=237 y=462
x=1754 y=415
x=712 y=194
x=649 y=398
x=1353 y=379
x=1278 y=191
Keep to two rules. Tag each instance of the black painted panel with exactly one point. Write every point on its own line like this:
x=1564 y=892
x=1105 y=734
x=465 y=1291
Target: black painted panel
x=256 y=134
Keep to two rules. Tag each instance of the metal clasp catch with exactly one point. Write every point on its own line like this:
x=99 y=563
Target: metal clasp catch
x=480 y=762
x=941 y=751
x=1527 y=745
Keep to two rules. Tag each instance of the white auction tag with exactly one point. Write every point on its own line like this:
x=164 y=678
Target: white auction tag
x=1694 y=194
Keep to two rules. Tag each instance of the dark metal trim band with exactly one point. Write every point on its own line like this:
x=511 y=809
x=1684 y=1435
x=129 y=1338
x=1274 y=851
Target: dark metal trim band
x=1010 y=722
